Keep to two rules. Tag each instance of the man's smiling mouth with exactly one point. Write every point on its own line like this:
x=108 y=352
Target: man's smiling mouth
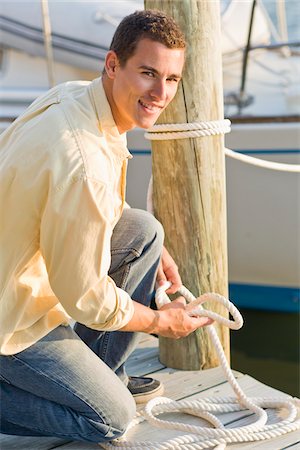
x=150 y=107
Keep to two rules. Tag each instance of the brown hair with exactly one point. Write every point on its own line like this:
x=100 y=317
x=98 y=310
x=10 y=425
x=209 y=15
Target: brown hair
x=151 y=24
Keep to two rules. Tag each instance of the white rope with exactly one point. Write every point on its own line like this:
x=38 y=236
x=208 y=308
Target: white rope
x=262 y=162
x=206 y=437
x=211 y=128
x=188 y=130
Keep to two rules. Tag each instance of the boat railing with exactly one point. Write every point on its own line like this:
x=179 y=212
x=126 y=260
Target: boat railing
x=242 y=99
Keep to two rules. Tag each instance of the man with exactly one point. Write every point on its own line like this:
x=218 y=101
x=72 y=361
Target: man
x=71 y=250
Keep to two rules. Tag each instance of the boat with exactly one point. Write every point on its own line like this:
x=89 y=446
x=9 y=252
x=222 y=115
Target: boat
x=261 y=72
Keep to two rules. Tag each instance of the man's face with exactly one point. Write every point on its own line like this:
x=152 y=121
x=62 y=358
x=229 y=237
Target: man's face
x=145 y=86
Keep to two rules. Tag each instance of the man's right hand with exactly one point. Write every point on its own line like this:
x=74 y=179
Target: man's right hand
x=171 y=321
x=176 y=323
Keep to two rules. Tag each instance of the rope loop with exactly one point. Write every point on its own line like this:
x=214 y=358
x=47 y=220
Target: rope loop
x=195 y=306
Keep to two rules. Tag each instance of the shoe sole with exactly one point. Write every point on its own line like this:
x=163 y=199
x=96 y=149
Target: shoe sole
x=144 y=398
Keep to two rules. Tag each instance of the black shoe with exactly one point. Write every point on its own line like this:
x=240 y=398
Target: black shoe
x=143 y=389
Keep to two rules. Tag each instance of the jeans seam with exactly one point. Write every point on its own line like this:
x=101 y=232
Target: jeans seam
x=126 y=250
x=75 y=435
x=105 y=345
x=84 y=400
x=125 y=276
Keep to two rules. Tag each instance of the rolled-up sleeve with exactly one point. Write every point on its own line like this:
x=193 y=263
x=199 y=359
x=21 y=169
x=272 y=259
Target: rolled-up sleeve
x=75 y=238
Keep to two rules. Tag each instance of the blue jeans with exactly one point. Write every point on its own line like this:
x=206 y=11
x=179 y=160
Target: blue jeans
x=72 y=383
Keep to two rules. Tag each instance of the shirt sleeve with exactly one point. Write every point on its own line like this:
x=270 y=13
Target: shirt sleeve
x=126 y=205
x=75 y=238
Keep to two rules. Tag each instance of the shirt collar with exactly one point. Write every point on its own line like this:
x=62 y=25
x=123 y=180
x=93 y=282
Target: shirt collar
x=106 y=120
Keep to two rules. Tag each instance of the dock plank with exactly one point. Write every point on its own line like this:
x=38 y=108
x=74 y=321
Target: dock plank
x=8 y=442
x=144 y=362
x=251 y=387
x=295 y=446
x=180 y=384
x=78 y=446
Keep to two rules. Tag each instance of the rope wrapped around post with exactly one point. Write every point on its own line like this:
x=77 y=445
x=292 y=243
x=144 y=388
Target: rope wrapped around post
x=199 y=437
x=188 y=130
x=211 y=128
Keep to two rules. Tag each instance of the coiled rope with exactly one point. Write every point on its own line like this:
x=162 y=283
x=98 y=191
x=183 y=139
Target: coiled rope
x=212 y=128
x=200 y=437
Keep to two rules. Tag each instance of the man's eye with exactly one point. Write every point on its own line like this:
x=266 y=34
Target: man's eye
x=149 y=74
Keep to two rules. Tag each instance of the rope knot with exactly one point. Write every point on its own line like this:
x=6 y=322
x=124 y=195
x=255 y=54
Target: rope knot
x=194 y=308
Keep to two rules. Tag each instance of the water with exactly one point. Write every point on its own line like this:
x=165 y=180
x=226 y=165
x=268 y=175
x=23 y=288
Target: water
x=267 y=348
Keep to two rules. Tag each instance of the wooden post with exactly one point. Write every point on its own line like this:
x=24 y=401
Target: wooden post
x=189 y=178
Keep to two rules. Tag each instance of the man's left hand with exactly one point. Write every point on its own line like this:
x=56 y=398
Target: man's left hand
x=168 y=271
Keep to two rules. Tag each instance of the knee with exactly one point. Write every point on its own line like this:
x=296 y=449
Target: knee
x=136 y=231
x=154 y=228
x=121 y=414
x=99 y=427
x=150 y=231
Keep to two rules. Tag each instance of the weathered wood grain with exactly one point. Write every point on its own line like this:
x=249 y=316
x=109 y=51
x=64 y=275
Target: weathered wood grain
x=181 y=384
x=29 y=443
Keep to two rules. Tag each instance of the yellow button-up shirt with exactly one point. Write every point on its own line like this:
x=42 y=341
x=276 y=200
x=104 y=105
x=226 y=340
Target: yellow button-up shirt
x=63 y=169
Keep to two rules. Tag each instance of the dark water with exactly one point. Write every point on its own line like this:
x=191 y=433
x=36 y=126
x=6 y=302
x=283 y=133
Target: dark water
x=268 y=348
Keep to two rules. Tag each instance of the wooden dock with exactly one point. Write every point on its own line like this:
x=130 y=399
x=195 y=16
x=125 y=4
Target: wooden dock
x=178 y=385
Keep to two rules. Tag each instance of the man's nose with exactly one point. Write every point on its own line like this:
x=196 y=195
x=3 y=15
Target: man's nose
x=159 y=90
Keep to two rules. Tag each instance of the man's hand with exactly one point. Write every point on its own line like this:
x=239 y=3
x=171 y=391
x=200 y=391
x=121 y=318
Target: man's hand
x=172 y=320
x=168 y=271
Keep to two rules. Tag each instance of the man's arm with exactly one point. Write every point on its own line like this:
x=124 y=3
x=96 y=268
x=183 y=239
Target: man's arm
x=170 y=321
x=75 y=237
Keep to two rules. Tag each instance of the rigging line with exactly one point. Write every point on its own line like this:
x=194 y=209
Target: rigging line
x=48 y=42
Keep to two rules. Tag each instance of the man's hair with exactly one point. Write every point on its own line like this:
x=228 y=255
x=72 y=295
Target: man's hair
x=151 y=24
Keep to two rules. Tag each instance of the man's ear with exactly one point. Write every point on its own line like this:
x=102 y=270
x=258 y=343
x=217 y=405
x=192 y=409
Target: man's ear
x=111 y=64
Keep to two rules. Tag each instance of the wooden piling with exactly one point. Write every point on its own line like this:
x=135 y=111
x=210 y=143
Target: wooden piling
x=189 y=178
